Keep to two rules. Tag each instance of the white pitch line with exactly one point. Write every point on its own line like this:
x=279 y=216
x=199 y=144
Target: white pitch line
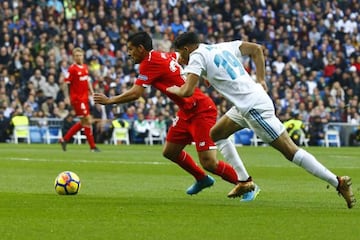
x=85 y=161
x=165 y=162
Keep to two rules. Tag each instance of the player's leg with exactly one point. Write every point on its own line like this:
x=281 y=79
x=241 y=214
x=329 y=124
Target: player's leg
x=209 y=161
x=199 y=129
x=271 y=130
x=176 y=140
x=79 y=111
x=231 y=122
x=308 y=162
x=176 y=154
x=86 y=123
x=69 y=134
x=220 y=133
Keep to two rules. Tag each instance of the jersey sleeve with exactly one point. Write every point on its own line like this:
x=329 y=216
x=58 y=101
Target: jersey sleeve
x=146 y=75
x=235 y=45
x=196 y=64
x=149 y=71
x=68 y=75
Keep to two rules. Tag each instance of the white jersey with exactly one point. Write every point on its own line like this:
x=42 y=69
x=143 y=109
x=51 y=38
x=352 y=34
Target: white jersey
x=220 y=65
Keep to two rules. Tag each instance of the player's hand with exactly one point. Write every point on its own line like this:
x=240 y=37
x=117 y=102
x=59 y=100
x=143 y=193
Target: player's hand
x=100 y=98
x=173 y=89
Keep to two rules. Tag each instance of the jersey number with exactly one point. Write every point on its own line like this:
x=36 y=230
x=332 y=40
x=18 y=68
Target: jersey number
x=229 y=62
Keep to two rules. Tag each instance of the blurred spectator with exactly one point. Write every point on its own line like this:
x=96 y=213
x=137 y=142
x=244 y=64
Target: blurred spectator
x=49 y=106
x=316 y=131
x=140 y=129
x=311 y=42
x=38 y=79
x=4 y=127
x=354 y=138
x=61 y=111
x=50 y=87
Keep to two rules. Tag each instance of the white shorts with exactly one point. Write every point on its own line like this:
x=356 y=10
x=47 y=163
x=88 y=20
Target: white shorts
x=260 y=118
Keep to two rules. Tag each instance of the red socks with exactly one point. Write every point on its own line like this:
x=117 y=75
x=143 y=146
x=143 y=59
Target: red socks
x=72 y=131
x=87 y=130
x=89 y=136
x=226 y=172
x=186 y=162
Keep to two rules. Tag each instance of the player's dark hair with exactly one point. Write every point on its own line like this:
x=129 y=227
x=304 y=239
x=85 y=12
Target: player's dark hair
x=185 y=39
x=141 y=38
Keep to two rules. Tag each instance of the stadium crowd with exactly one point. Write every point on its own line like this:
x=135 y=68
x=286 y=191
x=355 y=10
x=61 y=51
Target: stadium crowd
x=312 y=51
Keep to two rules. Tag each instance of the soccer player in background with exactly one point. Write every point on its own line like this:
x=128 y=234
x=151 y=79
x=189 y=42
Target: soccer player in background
x=79 y=84
x=194 y=120
x=253 y=108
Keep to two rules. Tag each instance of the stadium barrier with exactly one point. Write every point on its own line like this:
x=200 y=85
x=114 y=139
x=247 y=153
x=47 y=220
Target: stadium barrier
x=49 y=130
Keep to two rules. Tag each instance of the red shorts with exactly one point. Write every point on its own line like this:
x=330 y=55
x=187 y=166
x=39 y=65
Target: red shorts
x=81 y=108
x=196 y=129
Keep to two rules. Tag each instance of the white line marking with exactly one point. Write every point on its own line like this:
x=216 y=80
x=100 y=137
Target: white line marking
x=85 y=161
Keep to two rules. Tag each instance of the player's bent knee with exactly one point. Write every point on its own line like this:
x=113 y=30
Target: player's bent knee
x=209 y=164
x=173 y=156
x=167 y=154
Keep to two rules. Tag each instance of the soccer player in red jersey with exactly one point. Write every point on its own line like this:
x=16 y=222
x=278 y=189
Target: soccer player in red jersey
x=79 y=86
x=194 y=120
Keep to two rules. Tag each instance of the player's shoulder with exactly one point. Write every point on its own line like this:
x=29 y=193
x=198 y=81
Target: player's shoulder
x=160 y=56
x=230 y=44
x=156 y=59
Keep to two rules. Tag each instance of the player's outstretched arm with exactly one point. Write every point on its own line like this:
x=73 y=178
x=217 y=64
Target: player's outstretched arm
x=255 y=51
x=188 y=88
x=130 y=95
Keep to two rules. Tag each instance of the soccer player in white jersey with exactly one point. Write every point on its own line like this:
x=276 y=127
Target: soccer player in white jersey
x=253 y=108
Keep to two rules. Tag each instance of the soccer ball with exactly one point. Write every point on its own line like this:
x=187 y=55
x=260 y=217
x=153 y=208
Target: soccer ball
x=67 y=183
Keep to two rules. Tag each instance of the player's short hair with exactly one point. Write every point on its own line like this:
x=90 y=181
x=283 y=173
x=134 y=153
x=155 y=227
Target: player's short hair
x=77 y=49
x=141 y=38
x=185 y=39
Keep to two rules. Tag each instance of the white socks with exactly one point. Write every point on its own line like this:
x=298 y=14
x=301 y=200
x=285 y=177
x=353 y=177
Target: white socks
x=228 y=150
x=310 y=164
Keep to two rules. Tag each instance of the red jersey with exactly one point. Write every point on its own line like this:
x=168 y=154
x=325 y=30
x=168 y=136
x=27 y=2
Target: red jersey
x=77 y=78
x=161 y=70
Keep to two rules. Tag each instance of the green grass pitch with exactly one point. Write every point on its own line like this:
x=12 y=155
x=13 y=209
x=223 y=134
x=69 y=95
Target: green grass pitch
x=133 y=193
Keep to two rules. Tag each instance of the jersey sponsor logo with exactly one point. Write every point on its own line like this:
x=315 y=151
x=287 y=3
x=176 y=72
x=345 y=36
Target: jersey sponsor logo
x=83 y=78
x=142 y=77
